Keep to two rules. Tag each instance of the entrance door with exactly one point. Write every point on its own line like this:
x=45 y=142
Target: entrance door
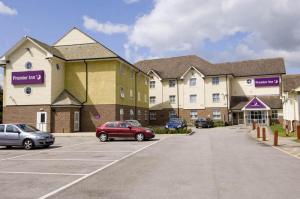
x=259 y=117
x=41 y=121
x=76 y=121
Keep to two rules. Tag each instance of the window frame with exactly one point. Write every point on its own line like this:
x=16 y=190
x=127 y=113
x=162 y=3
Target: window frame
x=152 y=84
x=215 y=80
x=219 y=115
x=195 y=100
x=151 y=101
x=190 y=81
x=216 y=99
x=173 y=84
x=173 y=101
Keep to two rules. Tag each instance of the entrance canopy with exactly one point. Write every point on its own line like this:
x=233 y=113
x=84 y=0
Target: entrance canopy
x=256 y=104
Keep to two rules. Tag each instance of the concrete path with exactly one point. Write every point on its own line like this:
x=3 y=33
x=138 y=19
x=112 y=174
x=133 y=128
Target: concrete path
x=285 y=144
x=213 y=163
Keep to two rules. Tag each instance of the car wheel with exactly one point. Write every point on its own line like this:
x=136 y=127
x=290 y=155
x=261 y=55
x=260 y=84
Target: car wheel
x=28 y=144
x=8 y=147
x=103 y=137
x=46 y=146
x=140 y=137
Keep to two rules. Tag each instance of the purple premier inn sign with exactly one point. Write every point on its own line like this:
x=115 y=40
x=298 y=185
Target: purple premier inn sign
x=27 y=77
x=255 y=103
x=266 y=81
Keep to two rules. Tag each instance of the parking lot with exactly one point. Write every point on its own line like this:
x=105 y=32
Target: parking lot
x=41 y=173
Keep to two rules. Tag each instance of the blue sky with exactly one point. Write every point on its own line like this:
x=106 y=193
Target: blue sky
x=217 y=30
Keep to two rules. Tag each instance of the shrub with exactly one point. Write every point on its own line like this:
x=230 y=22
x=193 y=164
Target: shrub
x=161 y=130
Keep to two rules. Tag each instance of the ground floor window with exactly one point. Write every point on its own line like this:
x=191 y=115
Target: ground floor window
x=139 y=115
x=274 y=115
x=256 y=116
x=216 y=114
x=152 y=115
x=131 y=114
x=194 y=114
x=172 y=114
x=121 y=114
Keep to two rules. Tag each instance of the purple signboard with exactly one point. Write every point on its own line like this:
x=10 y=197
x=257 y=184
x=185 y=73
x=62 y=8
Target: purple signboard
x=266 y=81
x=255 y=103
x=27 y=77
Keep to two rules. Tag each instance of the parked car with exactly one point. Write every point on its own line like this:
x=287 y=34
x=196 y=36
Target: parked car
x=204 y=123
x=175 y=123
x=24 y=135
x=135 y=123
x=123 y=130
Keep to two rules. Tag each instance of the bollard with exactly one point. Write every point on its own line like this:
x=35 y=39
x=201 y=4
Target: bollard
x=264 y=134
x=276 y=138
x=298 y=132
x=258 y=132
x=253 y=125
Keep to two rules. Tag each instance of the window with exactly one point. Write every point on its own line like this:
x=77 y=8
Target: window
x=111 y=125
x=152 y=99
x=216 y=114
x=216 y=97
x=27 y=90
x=152 y=84
x=57 y=67
x=123 y=125
x=131 y=112
x=145 y=98
x=121 y=114
x=139 y=114
x=152 y=115
x=146 y=115
x=249 y=81
x=193 y=99
x=193 y=81
x=172 y=114
x=172 y=99
x=139 y=96
x=172 y=83
x=274 y=114
x=121 y=69
x=11 y=129
x=194 y=114
x=131 y=93
x=1 y=128
x=28 y=65
x=215 y=80
x=122 y=93
x=132 y=74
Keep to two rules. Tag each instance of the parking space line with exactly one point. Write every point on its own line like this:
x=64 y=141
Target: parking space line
x=41 y=173
x=89 y=160
x=39 y=152
x=92 y=151
x=97 y=171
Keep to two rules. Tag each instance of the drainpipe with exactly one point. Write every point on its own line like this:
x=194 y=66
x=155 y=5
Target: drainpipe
x=86 y=82
x=227 y=98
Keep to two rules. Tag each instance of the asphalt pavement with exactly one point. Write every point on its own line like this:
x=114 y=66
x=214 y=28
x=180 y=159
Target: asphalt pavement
x=212 y=163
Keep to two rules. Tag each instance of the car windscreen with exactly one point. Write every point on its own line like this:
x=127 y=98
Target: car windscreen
x=134 y=123
x=27 y=128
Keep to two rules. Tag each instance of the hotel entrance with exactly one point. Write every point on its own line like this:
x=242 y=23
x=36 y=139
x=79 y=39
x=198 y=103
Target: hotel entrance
x=259 y=116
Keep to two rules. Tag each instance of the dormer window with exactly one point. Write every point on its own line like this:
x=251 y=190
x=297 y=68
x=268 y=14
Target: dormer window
x=193 y=81
x=172 y=83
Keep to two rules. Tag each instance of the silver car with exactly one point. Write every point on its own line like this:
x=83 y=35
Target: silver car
x=24 y=135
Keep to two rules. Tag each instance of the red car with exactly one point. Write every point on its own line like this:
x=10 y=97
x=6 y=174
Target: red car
x=123 y=130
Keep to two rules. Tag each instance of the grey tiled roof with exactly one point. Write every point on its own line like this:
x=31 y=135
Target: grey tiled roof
x=238 y=102
x=290 y=82
x=175 y=67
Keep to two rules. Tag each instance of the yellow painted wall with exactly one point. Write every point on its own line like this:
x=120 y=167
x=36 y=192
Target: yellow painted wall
x=101 y=81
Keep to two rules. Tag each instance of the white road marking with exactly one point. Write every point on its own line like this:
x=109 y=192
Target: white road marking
x=42 y=151
x=284 y=151
x=90 y=151
x=96 y=171
x=41 y=173
x=89 y=160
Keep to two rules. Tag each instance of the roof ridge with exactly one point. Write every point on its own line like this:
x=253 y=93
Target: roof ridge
x=249 y=60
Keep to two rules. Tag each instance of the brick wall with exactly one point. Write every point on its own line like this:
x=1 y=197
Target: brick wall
x=63 y=119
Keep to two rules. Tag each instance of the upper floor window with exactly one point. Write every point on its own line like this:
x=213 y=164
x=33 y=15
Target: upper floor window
x=121 y=69
x=193 y=81
x=131 y=93
x=28 y=65
x=139 y=96
x=215 y=80
x=122 y=92
x=216 y=97
x=152 y=99
x=152 y=84
x=193 y=98
x=132 y=74
x=172 y=99
x=172 y=83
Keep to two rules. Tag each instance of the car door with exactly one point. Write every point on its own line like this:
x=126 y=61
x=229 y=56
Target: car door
x=12 y=135
x=2 y=134
x=124 y=130
x=111 y=129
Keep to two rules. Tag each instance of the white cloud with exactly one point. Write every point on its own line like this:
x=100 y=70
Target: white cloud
x=131 y=1
x=4 y=9
x=272 y=28
x=106 y=28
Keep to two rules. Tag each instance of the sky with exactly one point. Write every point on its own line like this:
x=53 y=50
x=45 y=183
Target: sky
x=216 y=30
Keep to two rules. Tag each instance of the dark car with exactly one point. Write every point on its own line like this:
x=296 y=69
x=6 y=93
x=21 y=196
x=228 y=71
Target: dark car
x=204 y=123
x=123 y=130
x=175 y=123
